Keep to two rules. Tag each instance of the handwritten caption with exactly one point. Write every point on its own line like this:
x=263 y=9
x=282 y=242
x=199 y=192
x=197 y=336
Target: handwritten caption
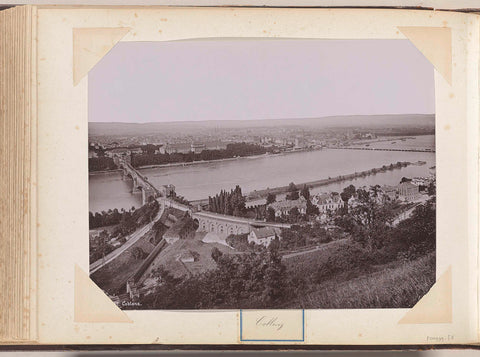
x=272 y=322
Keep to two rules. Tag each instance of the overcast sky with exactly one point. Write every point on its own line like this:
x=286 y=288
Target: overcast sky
x=259 y=79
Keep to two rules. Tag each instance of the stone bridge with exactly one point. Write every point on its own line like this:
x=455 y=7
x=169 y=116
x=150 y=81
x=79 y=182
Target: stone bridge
x=207 y=221
x=222 y=224
x=226 y=225
x=140 y=182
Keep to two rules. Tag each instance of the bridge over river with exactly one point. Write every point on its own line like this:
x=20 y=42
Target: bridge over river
x=140 y=182
x=207 y=221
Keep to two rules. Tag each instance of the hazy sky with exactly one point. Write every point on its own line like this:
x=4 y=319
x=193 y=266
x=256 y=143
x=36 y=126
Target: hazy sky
x=259 y=79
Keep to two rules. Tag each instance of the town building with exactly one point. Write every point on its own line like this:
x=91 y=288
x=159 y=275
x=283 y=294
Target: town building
x=327 y=201
x=181 y=148
x=167 y=190
x=284 y=207
x=262 y=236
x=300 y=143
x=389 y=193
x=421 y=181
x=407 y=191
x=197 y=147
x=215 y=145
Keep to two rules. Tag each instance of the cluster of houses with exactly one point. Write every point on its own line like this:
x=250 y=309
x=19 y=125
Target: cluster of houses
x=407 y=191
x=167 y=148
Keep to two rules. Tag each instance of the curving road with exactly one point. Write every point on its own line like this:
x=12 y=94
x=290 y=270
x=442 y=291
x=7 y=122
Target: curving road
x=132 y=239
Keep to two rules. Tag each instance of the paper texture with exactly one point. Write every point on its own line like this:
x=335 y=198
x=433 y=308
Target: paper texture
x=91 y=303
x=90 y=45
x=272 y=326
x=17 y=175
x=436 y=44
x=63 y=125
x=436 y=306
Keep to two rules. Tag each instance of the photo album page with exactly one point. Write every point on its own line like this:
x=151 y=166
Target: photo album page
x=257 y=176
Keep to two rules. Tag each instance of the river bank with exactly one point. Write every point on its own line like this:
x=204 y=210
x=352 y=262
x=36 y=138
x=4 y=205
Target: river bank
x=108 y=190
x=181 y=164
x=258 y=194
x=93 y=173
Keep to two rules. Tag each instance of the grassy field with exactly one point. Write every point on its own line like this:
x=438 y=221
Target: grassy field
x=397 y=284
x=169 y=257
x=313 y=259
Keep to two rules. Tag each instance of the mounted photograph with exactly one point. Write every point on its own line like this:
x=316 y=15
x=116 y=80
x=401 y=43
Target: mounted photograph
x=262 y=174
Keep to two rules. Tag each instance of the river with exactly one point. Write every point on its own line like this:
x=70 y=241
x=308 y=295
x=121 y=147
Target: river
x=198 y=181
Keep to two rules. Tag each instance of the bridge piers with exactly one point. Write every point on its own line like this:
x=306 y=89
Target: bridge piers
x=135 y=188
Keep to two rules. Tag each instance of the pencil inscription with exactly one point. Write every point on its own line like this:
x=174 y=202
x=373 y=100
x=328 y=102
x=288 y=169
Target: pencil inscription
x=270 y=321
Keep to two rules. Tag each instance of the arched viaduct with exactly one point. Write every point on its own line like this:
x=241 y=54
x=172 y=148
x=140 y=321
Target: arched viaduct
x=222 y=224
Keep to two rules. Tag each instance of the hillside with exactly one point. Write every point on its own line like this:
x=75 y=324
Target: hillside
x=364 y=121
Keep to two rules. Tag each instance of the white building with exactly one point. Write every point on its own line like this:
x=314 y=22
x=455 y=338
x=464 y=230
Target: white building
x=408 y=191
x=262 y=236
x=284 y=207
x=327 y=201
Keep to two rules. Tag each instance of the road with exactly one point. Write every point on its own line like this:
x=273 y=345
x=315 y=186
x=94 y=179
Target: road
x=133 y=238
x=317 y=248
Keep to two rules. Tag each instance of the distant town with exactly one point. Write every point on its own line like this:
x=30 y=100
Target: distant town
x=276 y=245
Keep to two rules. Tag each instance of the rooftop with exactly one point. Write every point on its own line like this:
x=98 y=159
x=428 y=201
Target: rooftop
x=288 y=204
x=407 y=184
x=264 y=232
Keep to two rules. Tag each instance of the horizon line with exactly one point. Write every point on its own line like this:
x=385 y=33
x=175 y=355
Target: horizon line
x=266 y=119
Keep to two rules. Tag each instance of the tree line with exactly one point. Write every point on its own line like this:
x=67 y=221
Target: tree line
x=128 y=218
x=101 y=163
x=125 y=222
x=241 y=281
x=230 y=203
x=232 y=150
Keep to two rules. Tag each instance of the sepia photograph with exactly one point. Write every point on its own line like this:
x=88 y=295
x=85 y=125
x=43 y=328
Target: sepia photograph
x=262 y=174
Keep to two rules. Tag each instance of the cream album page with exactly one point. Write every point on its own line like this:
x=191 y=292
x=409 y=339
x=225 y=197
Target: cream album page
x=257 y=176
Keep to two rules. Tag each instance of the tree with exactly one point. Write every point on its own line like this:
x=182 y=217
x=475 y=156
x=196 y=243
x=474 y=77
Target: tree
x=346 y=194
x=270 y=214
x=417 y=234
x=271 y=198
x=294 y=214
x=275 y=277
x=305 y=192
x=312 y=209
x=371 y=221
x=292 y=187
x=216 y=254
x=292 y=196
x=375 y=190
x=230 y=203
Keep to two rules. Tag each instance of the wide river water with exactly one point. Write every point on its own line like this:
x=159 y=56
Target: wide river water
x=198 y=181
